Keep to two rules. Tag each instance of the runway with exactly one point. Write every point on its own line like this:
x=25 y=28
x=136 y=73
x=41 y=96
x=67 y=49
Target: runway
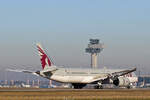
x=73 y=94
x=65 y=90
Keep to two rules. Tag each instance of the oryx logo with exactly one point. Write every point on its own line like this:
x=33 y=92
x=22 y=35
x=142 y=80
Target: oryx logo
x=45 y=61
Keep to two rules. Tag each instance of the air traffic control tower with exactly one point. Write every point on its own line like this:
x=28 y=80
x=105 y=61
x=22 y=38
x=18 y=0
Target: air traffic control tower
x=94 y=47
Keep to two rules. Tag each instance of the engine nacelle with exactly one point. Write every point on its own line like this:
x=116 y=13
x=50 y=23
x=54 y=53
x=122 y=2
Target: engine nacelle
x=121 y=82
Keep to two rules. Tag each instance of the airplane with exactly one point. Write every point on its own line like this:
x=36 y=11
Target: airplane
x=80 y=77
x=25 y=86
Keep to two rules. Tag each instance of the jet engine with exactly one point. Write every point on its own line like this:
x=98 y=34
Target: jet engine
x=121 y=82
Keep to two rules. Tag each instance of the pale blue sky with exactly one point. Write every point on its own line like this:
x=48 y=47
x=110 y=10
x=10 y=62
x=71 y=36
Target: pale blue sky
x=64 y=27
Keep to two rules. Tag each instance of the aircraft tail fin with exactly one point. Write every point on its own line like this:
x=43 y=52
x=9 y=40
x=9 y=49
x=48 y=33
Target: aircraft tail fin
x=45 y=60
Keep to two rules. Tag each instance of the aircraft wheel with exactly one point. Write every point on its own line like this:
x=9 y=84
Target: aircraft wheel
x=78 y=85
x=101 y=87
x=98 y=87
x=128 y=87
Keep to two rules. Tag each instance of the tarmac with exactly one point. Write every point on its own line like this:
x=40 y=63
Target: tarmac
x=67 y=89
x=73 y=94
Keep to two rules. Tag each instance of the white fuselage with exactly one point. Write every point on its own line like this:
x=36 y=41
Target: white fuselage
x=72 y=79
x=74 y=75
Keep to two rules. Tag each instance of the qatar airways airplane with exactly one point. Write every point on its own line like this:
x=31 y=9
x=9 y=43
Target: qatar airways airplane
x=80 y=77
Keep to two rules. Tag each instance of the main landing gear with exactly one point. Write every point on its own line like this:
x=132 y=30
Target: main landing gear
x=78 y=85
x=99 y=86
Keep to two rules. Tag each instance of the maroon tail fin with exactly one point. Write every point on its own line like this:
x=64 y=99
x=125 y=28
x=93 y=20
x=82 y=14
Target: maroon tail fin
x=45 y=61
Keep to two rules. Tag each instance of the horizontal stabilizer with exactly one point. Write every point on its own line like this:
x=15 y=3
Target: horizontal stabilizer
x=25 y=71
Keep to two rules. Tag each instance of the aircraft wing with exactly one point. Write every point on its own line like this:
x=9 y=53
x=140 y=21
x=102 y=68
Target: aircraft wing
x=99 y=78
x=121 y=73
x=25 y=71
x=113 y=75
